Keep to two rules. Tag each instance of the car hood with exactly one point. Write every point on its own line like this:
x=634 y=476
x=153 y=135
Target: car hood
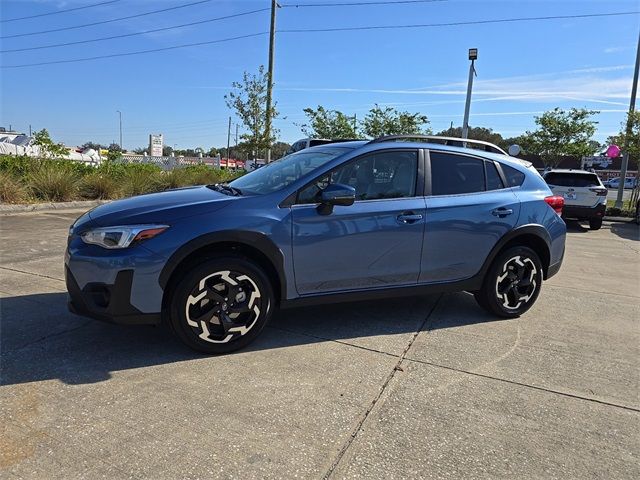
x=159 y=207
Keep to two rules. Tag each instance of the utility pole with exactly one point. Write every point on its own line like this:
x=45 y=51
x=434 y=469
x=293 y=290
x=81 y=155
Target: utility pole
x=120 y=115
x=355 y=125
x=237 y=135
x=272 y=41
x=473 y=56
x=627 y=137
x=228 y=142
x=29 y=129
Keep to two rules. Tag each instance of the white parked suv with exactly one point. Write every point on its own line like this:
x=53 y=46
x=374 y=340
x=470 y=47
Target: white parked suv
x=585 y=197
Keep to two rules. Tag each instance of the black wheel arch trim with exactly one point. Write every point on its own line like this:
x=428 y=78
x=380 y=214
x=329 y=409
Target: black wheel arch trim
x=532 y=229
x=254 y=240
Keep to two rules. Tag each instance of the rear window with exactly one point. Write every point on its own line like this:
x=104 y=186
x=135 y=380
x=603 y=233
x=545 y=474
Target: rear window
x=514 y=177
x=570 y=179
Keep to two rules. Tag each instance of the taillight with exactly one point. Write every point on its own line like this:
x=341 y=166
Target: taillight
x=600 y=192
x=556 y=202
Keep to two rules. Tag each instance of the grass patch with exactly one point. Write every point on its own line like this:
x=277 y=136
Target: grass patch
x=12 y=190
x=53 y=182
x=25 y=179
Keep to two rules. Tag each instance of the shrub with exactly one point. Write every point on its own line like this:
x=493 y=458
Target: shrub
x=175 y=178
x=204 y=175
x=11 y=190
x=138 y=181
x=53 y=181
x=18 y=166
x=99 y=186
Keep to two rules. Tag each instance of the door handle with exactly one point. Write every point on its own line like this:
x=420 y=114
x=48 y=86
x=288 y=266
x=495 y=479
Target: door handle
x=409 y=217
x=502 y=212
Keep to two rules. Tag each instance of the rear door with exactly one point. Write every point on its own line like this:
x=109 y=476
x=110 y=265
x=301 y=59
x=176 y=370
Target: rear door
x=578 y=188
x=469 y=208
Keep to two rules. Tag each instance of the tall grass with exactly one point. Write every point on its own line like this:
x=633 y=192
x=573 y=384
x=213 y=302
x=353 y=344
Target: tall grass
x=99 y=186
x=11 y=189
x=55 y=182
x=24 y=179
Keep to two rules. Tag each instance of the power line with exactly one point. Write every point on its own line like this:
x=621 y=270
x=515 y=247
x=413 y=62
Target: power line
x=372 y=27
x=139 y=52
x=451 y=24
x=358 y=4
x=101 y=39
x=107 y=21
x=15 y=19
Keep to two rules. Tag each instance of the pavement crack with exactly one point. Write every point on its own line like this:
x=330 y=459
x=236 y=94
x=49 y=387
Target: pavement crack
x=31 y=273
x=526 y=385
x=397 y=367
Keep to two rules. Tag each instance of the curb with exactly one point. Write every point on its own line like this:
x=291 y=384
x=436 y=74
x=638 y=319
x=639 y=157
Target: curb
x=6 y=209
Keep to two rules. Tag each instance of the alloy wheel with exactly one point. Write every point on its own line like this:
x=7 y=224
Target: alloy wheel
x=516 y=284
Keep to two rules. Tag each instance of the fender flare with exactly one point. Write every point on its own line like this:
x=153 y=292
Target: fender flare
x=530 y=229
x=256 y=240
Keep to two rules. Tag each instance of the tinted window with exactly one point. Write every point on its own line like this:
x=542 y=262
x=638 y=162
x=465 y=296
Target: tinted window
x=455 y=174
x=276 y=175
x=569 y=179
x=494 y=182
x=514 y=177
x=376 y=176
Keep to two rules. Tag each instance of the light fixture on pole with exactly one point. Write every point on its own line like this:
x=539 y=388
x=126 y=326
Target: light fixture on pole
x=473 y=56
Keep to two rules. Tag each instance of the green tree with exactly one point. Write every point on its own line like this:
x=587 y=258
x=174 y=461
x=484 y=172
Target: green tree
x=634 y=139
x=331 y=124
x=389 y=121
x=278 y=149
x=476 y=133
x=115 y=152
x=561 y=133
x=49 y=149
x=249 y=101
x=92 y=145
x=140 y=150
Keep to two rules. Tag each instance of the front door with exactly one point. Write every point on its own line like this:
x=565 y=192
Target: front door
x=376 y=242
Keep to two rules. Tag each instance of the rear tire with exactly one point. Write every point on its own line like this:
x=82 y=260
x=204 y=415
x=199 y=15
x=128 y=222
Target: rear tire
x=595 y=223
x=512 y=283
x=221 y=305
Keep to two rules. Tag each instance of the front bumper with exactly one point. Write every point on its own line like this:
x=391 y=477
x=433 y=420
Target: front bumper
x=571 y=211
x=107 y=302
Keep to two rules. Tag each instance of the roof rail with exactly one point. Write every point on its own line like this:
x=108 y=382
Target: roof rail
x=453 y=141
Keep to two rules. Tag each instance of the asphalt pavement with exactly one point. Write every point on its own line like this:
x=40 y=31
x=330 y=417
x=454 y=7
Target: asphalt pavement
x=428 y=387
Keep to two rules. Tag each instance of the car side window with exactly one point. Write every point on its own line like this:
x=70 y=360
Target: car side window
x=494 y=182
x=453 y=174
x=514 y=177
x=390 y=174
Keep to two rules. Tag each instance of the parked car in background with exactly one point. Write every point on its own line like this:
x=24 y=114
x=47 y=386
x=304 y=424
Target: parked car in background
x=629 y=182
x=585 y=197
x=339 y=222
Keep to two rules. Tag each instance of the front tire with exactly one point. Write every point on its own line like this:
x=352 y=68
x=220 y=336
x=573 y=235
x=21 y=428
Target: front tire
x=512 y=283
x=595 y=223
x=221 y=305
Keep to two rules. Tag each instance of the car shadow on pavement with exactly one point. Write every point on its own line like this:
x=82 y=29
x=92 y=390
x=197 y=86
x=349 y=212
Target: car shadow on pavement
x=575 y=226
x=41 y=340
x=628 y=230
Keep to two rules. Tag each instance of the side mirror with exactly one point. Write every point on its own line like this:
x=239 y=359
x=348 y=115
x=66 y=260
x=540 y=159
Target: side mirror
x=336 y=194
x=514 y=150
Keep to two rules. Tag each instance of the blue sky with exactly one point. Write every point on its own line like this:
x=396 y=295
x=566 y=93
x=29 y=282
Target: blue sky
x=524 y=68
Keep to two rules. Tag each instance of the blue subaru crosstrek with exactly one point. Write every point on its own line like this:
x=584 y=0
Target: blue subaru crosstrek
x=345 y=221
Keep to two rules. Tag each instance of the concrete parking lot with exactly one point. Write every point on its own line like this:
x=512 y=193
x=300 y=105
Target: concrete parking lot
x=410 y=388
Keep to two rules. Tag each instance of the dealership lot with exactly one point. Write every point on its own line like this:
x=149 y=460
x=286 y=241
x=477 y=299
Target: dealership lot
x=406 y=388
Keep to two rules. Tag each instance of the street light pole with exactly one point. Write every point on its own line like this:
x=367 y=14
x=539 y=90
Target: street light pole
x=627 y=137
x=272 y=41
x=120 y=115
x=473 y=56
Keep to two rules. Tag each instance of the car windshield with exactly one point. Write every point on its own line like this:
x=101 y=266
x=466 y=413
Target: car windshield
x=281 y=173
x=572 y=179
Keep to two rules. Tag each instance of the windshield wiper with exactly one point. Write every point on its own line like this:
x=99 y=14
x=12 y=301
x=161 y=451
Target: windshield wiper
x=226 y=189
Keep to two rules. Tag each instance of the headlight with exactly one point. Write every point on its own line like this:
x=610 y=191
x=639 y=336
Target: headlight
x=121 y=236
